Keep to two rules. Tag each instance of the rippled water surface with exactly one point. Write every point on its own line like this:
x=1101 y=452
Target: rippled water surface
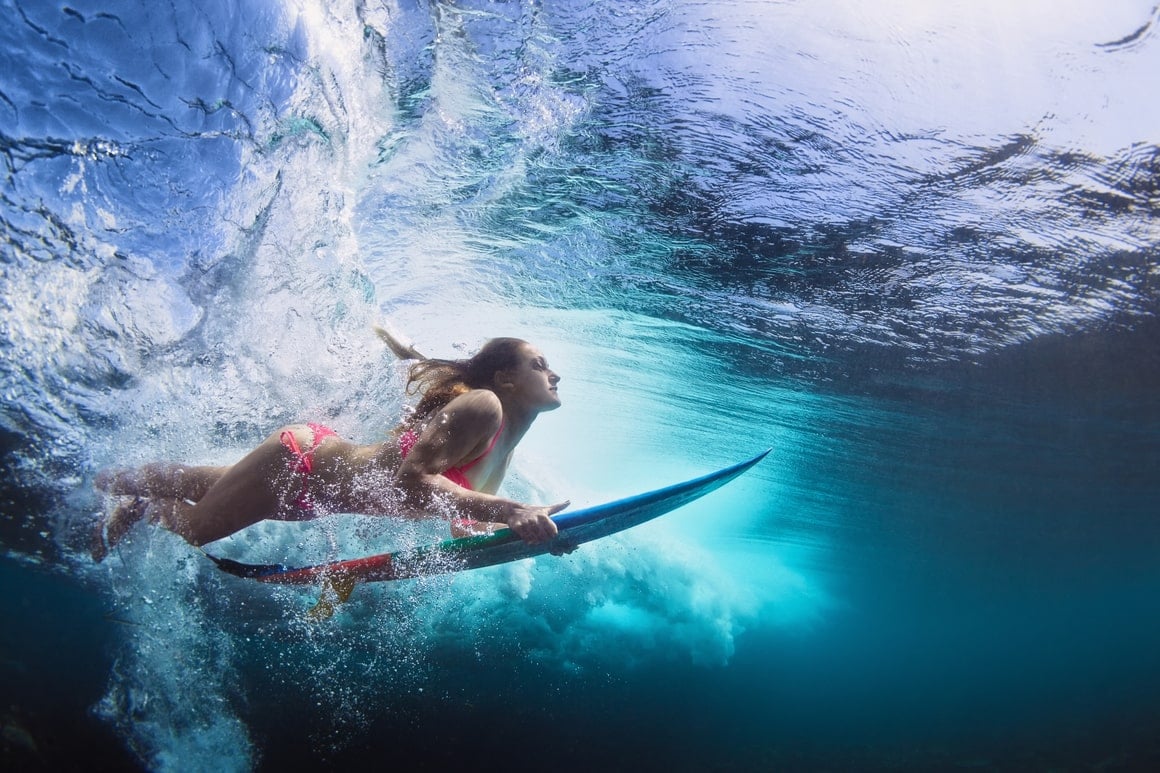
x=911 y=247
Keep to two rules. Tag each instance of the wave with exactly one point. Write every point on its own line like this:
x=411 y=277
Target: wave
x=730 y=226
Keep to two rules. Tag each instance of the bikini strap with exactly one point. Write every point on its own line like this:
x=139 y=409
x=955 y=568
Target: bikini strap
x=303 y=461
x=303 y=458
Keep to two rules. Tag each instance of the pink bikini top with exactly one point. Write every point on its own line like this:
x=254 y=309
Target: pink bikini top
x=458 y=474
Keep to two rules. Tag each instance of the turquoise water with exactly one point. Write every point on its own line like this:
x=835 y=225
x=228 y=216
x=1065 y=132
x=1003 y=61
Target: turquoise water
x=910 y=248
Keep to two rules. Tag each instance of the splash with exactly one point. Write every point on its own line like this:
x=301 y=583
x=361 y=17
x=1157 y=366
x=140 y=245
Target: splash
x=174 y=689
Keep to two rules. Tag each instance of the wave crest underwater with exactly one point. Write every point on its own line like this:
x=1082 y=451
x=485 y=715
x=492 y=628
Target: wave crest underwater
x=854 y=236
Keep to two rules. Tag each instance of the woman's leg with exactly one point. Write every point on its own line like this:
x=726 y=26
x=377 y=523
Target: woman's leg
x=173 y=514
x=158 y=483
x=160 y=480
x=202 y=504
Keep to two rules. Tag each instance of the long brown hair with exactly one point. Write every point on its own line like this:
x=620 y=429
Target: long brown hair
x=441 y=381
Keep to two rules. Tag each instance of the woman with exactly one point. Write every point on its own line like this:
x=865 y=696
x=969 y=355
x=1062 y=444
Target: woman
x=451 y=453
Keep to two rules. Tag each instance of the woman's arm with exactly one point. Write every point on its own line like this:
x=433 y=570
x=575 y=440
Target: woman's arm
x=462 y=431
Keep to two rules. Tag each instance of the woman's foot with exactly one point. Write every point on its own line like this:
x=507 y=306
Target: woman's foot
x=112 y=528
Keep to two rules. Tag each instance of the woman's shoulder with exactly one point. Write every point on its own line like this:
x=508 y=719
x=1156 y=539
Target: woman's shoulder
x=478 y=405
x=477 y=399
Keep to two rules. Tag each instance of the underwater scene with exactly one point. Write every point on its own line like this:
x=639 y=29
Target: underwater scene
x=910 y=247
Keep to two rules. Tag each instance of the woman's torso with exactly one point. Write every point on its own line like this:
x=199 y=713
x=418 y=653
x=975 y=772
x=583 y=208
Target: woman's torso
x=348 y=477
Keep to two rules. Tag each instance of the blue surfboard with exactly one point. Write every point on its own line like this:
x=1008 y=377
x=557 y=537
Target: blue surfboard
x=457 y=555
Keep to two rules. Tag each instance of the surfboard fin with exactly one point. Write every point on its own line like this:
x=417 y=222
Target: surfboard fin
x=335 y=590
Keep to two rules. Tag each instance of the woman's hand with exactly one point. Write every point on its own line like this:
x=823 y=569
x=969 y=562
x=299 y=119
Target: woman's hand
x=532 y=523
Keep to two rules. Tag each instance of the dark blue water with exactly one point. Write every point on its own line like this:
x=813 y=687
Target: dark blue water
x=913 y=249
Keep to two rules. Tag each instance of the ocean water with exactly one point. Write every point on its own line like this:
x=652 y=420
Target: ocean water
x=912 y=247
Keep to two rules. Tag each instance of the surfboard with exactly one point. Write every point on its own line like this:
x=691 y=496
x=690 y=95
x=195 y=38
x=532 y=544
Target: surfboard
x=457 y=555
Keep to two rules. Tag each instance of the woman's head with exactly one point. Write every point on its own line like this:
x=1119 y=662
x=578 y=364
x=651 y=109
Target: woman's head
x=498 y=354
x=492 y=367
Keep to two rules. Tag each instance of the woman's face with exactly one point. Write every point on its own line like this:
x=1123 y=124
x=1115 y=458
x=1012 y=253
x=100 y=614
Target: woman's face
x=533 y=382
